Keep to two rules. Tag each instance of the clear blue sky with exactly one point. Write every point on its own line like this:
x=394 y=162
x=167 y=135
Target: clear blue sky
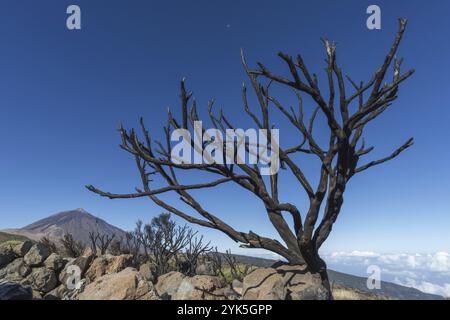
x=63 y=94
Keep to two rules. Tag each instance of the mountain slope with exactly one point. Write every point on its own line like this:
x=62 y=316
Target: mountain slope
x=4 y=237
x=77 y=222
x=388 y=289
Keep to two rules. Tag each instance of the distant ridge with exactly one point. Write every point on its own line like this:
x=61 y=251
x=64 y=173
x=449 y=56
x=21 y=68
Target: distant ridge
x=77 y=222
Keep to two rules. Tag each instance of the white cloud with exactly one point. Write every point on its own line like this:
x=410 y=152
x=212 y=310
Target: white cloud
x=440 y=262
x=426 y=286
x=427 y=272
x=363 y=254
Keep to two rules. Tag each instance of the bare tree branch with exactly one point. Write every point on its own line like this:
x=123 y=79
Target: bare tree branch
x=338 y=159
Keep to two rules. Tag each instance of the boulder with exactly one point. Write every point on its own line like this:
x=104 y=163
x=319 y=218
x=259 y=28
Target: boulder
x=302 y=285
x=57 y=293
x=147 y=270
x=108 y=264
x=283 y=283
x=37 y=295
x=205 y=268
x=119 y=263
x=42 y=279
x=6 y=255
x=22 y=248
x=236 y=285
x=15 y=271
x=168 y=284
x=263 y=284
x=14 y=291
x=55 y=262
x=73 y=294
x=230 y=294
x=128 y=284
x=199 y=287
x=36 y=255
x=226 y=293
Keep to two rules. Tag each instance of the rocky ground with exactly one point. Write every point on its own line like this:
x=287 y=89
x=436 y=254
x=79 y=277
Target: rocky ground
x=31 y=271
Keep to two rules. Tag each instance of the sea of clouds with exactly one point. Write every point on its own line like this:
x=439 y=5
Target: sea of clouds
x=428 y=272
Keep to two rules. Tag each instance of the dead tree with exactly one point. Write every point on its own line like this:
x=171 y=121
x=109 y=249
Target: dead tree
x=215 y=257
x=116 y=248
x=144 y=238
x=72 y=248
x=195 y=250
x=346 y=113
x=162 y=241
x=131 y=245
x=227 y=266
x=100 y=242
x=51 y=246
x=237 y=270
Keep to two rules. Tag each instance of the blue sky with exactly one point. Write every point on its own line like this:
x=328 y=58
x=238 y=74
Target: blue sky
x=63 y=94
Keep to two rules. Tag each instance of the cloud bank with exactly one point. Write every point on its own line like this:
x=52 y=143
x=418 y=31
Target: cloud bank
x=429 y=272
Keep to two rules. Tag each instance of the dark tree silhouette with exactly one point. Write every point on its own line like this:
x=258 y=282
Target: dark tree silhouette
x=194 y=251
x=339 y=159
x=223 y=263
x=131 y=244
x=162 y=241
x=51 y=246
x=100 y=242
x=72 y=248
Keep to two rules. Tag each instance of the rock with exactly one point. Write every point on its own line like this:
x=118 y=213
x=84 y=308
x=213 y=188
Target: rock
x=199 y=287
x=6 y=255
x=57 y=293
x=36 y=255
x=97 y=268
x=226 y=293
x=80 y=264
x=147 y=270
x=236 y=285
x=108 y=264
x=168 y=284
x=42 y=280
x=263 y=284
x=128 y=284
x=22 y=248
x=206 y=268
x=145 y=290
x=37 y=295
x=119 y=263
x=15 y=271
x=230 y=294
x=14 y=291
x=283 y=283
x=73 y=294
x=55 y=262
x=302 y=285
